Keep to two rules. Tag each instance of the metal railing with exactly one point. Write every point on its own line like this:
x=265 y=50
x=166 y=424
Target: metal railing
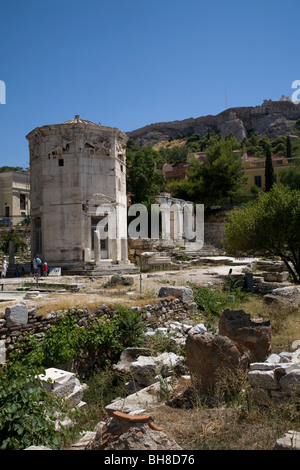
x=13 y=220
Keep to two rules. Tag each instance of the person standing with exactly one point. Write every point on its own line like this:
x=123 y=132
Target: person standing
x=45 y=269
x=4 y=267
x=37 y=266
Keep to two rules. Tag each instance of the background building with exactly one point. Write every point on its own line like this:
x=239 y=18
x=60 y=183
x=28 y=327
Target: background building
x=254 y=169
x=14 y=196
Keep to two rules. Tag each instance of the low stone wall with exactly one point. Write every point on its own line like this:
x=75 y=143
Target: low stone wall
x=276 y=378
x=30 y=322
x=214 y=234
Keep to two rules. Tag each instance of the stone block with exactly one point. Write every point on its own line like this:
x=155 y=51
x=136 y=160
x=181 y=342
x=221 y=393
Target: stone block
x=262 y=366
x=128 y=356
x=16 y=315
x=144 y=369
x=180 y=292
x=208 y=356
x=282 y=277
x=2 y=352
x=290 y=295
x=263 y=379
x=254 y=336
x=290 y=382
x=147 y=397
x=59 y=381
x=290 y=441
x=270 y=277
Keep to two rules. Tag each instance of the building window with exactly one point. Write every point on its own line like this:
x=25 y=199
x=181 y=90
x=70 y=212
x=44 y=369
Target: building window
x=257 y=181
x=22 y=202
x=61 y=162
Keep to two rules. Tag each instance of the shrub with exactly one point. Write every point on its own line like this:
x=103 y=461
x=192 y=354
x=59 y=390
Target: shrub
x=210 y=300
x=19 y=245
x=27 y=412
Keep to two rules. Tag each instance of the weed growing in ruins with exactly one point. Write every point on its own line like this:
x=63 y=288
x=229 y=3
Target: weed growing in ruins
x=102 y=388
x=129 y=325
x=159 y=343
x=210 y=300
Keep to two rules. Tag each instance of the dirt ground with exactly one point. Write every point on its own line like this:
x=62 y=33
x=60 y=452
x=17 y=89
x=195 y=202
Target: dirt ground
x=54 y=292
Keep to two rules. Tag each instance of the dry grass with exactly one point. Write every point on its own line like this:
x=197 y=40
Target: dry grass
x=239 y=424
x=285 y=327
x=67 y=300
x=170 y=144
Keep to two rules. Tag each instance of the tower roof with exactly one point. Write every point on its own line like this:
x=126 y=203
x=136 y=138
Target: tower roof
x=77 y=120
x=82 y=123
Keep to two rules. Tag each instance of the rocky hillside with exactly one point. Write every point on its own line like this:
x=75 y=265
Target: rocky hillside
x=272 y=118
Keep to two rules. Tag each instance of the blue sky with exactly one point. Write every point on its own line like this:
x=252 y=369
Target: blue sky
x=129 y=63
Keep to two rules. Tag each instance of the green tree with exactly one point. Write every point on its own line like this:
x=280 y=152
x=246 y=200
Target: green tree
x=291 y=176
x=3 y=169
x=271 y=225
x=216 y=181
x=174 y=155
x=143 y=179
x=19 y=244
x=269 y=169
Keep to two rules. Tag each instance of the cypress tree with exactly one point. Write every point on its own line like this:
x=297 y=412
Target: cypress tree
x=269 y=169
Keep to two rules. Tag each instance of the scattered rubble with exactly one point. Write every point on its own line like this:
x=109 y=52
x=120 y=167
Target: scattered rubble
x=247 y=334
x=140 y=400
x=278 y=377
x=64 y=384
x=131 y=432
x=286 y=296
x=208 y=357
x=290 y=441
x=118 y=280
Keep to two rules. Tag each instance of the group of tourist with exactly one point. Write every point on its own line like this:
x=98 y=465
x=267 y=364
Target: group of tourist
x=37 y=268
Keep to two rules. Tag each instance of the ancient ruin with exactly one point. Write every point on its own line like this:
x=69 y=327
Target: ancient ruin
x=78 y=182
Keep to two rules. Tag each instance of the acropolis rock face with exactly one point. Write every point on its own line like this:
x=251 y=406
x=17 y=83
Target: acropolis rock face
x=272 y=118
x=77 y=167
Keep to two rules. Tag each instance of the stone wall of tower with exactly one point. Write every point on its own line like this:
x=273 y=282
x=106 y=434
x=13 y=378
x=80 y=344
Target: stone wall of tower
x=74 y=168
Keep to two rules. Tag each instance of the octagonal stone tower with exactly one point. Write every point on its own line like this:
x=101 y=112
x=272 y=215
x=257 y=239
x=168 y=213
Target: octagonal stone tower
x=75 y=168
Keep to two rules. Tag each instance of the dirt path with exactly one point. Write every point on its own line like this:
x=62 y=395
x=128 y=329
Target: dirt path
x=92 y=293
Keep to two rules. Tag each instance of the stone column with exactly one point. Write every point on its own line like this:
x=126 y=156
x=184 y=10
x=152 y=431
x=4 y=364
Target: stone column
x=97 y=253
x=124 y=250
x=178 y=223
x=165 y=221
x=112 y=249
x=87 y=255
x=11 y=253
